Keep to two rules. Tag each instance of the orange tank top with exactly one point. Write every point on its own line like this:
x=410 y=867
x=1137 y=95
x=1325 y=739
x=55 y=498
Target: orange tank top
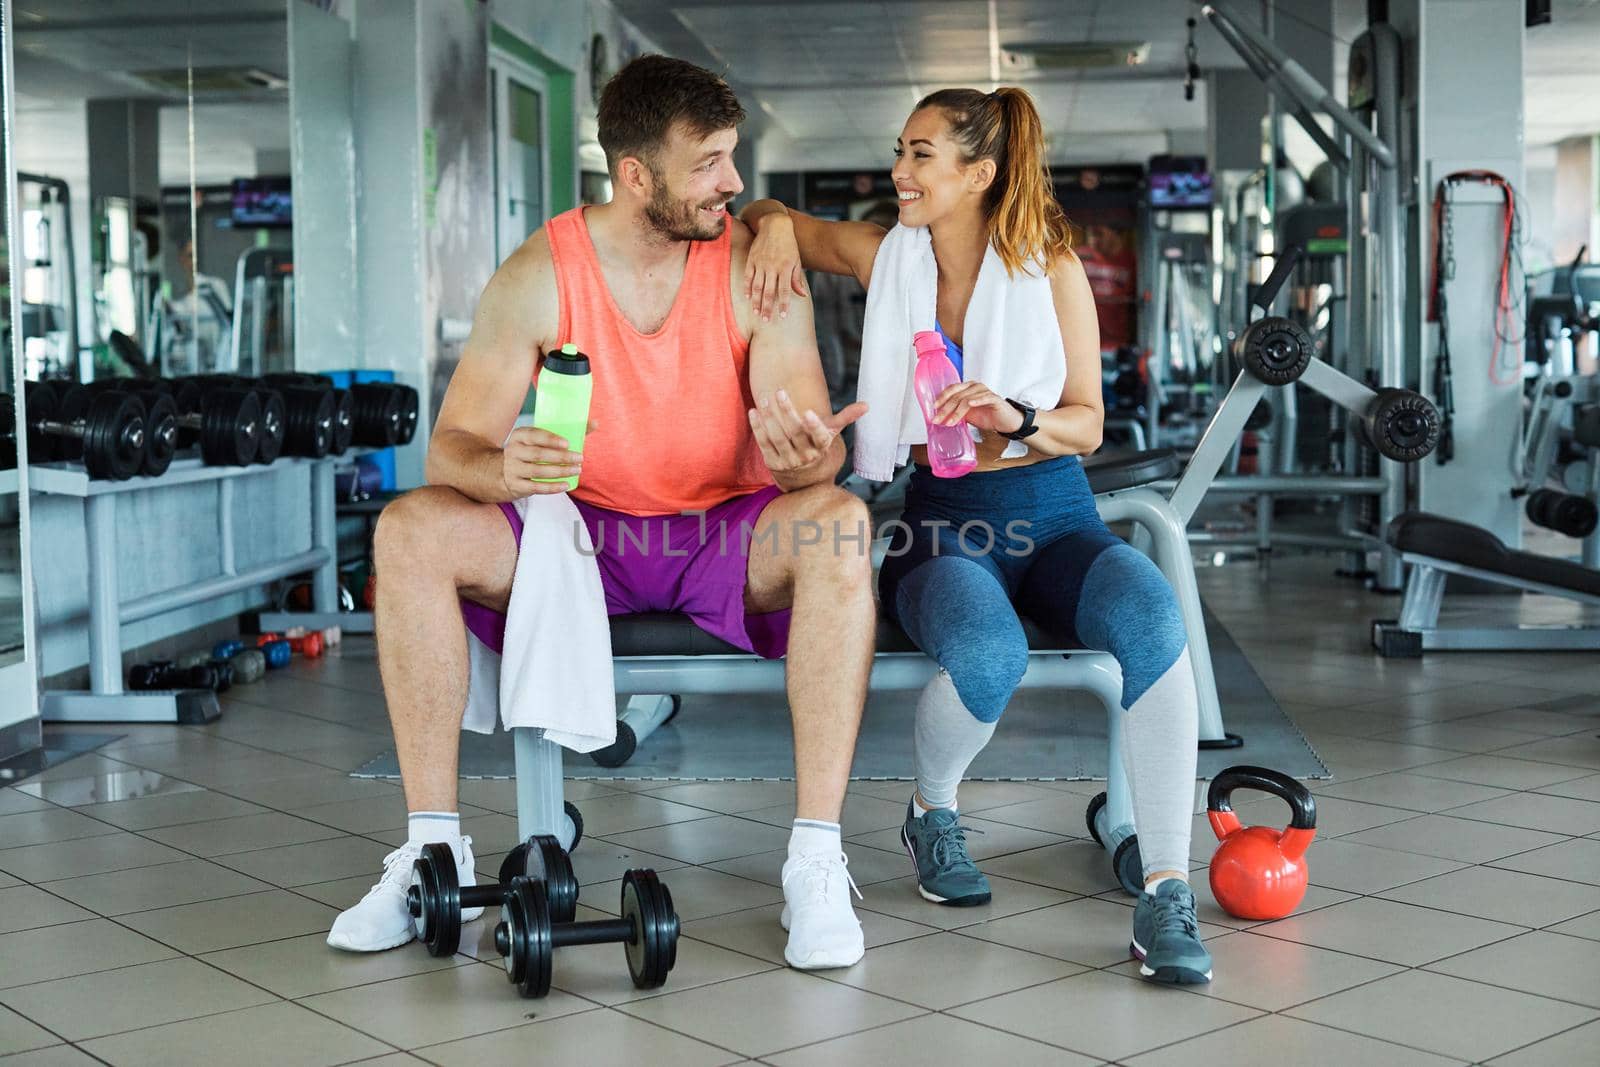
x=669 y=408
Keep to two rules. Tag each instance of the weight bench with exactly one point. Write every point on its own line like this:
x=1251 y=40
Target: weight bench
x=1437 y=547
x=658 y=657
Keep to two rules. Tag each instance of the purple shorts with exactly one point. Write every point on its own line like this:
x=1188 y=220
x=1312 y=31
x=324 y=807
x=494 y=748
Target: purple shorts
x=674 y=563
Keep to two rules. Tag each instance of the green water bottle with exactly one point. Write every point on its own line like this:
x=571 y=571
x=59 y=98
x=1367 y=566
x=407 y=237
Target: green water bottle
x=561 y=400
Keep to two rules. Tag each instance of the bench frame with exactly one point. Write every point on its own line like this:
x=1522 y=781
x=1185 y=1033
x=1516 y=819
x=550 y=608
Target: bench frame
x=1417 y=630
x=541 y=804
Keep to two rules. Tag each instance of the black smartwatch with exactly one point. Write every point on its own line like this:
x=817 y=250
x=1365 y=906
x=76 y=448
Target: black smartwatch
x=1027 y=429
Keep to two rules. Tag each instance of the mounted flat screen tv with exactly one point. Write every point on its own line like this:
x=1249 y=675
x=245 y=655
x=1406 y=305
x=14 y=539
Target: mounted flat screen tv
x=262 y=202
x=1179 y=182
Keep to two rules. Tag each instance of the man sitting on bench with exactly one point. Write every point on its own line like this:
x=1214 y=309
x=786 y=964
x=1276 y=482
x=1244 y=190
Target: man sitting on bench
x=698 y=406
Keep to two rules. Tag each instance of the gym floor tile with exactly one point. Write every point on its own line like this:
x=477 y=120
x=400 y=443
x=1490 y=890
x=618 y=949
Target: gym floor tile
x=85 y=855
x=171 y=809
x=1078 y=866
x=757 y=932
x=1356 y=868
x=1336 y=816
x=19 y=1035
x=1574 y=1046
x=945 y=970
x=1390 y=931
x=727 y=798
x=13 y=801
x=596 y=860
x=1379 y=755
x=721 y=837
x=144 y=888
x=593 y=1037
x=347 y=756
x=299 y=967
x=697 y=893
x=1537 y=811
x=929 y=1041
x=441 y=1005
x=51 y=952
x=1057 y=813
x=108 y=1002
x=901 y=899
x=1579 y=788
x=310 y=787
x=1272 y=974
x=621 y=812
x=868 y=866
x=1459 y=735
x=1504 y=896
x=488 y=794
x=315 y=861
x=769 y=1012
x=1586 y=926
x=995 y=838
x=1207 y=910
x=862 y=815
x=88 y=764
x=1502 y=771
x=49 y=825
x=267 y=1036
x=491 y=831
x=1540 y=720
x=1104 y=1014
x=55 y=1056
x=1578 y=750
x=247 y=833
x=1446 y=837
x=1089 y=931
x=105 y=788
x=233 y=922
x=1274 y=1040
x=597 y=972
x=1546 y=964
x=1577 y=860
x=225 y=773
x=26 y=907
x=1414 y=792
x=1451 y=1016
x=368 y=815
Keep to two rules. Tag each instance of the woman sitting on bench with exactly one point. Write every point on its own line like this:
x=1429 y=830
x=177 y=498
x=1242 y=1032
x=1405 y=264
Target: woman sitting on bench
x=983 y=251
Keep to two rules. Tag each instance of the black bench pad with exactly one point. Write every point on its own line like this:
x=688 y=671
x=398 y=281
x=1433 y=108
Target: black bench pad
x=1423 y=534
x=1112 y=472
x=669 y=634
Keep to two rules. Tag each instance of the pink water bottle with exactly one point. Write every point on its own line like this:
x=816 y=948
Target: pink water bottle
x=951 y=452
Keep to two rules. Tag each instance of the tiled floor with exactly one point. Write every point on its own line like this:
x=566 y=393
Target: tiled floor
x=164 y=899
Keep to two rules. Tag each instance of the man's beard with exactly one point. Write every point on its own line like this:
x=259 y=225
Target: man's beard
x=677 y=221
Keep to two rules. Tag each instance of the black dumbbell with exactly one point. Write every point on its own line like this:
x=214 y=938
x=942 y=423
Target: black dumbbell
x=161 y=431
x=274 y=425
x=1565 y=513
x=105 y=430
x=225 y=421
x=161 y=675
x=343 y=416
x=310 y=421
x=527 y=936
x=436 y=899
x=1399 y=424
x=379 y=413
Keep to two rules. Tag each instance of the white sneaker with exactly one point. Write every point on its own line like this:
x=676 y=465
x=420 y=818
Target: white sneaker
x=381 y=920
x=823 y=929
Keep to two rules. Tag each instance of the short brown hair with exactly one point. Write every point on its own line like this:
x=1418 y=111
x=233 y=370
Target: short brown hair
x=644 y=99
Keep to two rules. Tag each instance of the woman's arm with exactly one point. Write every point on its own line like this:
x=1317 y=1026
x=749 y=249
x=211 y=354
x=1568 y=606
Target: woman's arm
x=788 y=242
x=1075 y=426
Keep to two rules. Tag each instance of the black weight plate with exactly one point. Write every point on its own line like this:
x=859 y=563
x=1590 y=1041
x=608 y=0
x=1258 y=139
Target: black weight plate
x=408 y=414
x=435 y=873
x=8 y=432
x=160 y=434
x=544 y=860
x=635 y=909
x=344 y=424
x=41 y=402
x=540 y=949
x=230 y=431
x=1098 y=802
x=113 y=437
x=512 y=866
x=274 y=418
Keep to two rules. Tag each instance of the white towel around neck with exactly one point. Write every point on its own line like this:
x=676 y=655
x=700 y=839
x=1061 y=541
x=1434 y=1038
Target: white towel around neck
x=1011 y=342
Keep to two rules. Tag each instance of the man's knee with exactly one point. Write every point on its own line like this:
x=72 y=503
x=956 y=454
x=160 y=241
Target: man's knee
x=429 y=528
x=833 y=527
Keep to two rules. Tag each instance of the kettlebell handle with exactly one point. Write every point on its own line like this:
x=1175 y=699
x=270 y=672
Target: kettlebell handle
x=1302 y=806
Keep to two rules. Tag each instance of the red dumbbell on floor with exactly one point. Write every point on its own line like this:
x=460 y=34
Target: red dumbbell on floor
x=309 y=645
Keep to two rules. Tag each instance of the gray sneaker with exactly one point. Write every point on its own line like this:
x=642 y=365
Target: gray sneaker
x=1166 y=936
x=937 y=844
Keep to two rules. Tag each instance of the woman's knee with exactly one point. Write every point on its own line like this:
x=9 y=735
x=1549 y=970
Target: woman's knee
x=1139 y=619
x=985 y=672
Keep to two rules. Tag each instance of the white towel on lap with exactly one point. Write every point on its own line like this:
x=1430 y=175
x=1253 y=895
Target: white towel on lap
x=556 y=670
x=1011 y=342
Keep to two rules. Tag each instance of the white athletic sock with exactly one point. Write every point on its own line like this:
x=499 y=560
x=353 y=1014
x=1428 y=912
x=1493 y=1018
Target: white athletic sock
x=444 y=827
x=945 y=741
x=1160 y=738
x=815 y=837
x=1151 y=887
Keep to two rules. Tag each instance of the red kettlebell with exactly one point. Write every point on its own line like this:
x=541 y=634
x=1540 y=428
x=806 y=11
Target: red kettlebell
x=1258 y=872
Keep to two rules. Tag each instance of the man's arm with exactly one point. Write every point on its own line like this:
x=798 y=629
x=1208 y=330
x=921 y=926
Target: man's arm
x=793 y=421
x=515 y=315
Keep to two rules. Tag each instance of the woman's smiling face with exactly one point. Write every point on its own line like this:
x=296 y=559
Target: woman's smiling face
x=930 y=177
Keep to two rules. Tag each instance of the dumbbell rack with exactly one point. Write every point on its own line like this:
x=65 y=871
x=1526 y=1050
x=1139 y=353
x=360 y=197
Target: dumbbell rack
x=106 y=700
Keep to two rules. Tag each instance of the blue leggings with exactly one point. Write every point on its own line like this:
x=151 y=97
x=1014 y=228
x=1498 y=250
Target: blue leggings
x=971 y=553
